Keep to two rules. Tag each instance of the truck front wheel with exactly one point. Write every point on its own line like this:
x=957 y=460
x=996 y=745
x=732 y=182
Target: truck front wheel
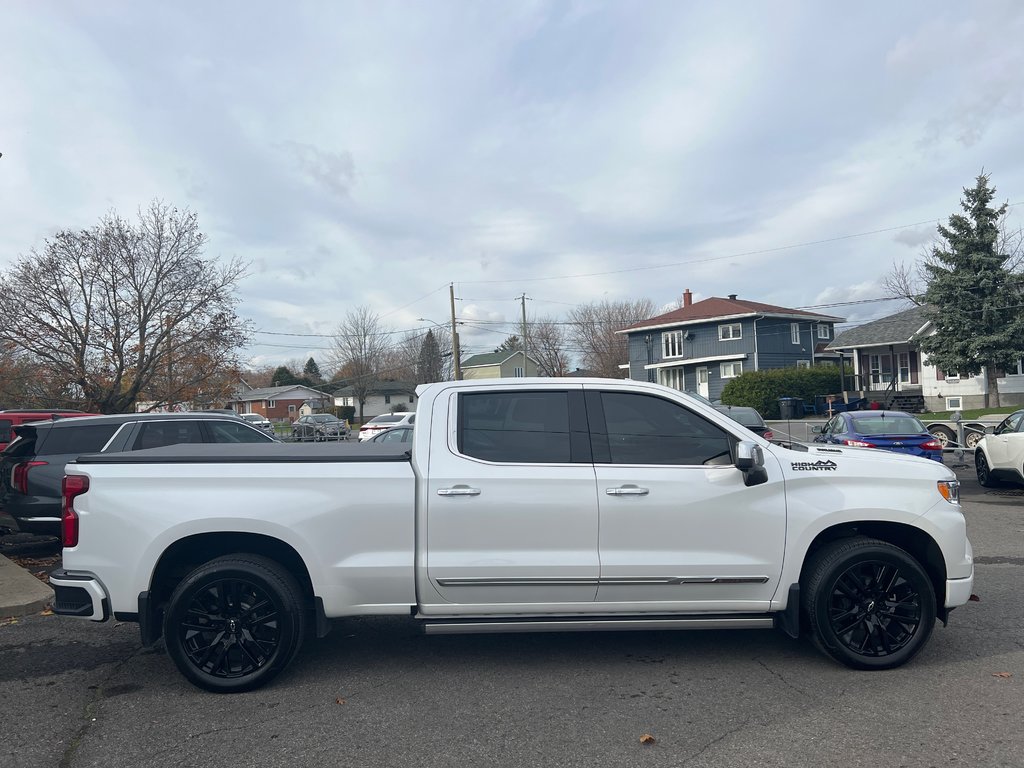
x=234 y=623
x=870 y=605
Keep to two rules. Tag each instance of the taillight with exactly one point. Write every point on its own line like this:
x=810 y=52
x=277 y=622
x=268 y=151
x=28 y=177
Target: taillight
x=932 y=445
x=858 y=444
x=20 y=478
x=71 y=487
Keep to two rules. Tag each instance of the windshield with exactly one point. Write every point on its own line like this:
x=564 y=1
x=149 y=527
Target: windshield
x=893 y=425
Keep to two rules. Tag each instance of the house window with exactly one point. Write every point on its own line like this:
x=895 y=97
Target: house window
x=291 y=409
x=951 y=375
x=1020 y=368
x=729 y=332
x=272 y=403
x=794 y=332
x=518 y=373
x=412 y=399
x=672 y=377
x=672 y=344
x=879 y=374
x=954 y=404
x=731 y=370
x=803 y=363
x=824 y=332
x=904 y=365
x=387 y=399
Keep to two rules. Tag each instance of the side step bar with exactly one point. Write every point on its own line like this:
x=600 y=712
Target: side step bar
x=596 y=624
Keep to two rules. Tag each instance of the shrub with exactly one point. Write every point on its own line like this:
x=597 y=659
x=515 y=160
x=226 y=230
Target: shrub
x=762 y=389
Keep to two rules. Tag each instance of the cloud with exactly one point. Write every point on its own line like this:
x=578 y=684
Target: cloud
x=334 y=171
x=916 y=236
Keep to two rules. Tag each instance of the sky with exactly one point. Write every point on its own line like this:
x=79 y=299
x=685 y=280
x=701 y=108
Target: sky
x=373 y=153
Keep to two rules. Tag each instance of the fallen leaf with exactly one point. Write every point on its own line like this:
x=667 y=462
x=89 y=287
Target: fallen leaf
x=46 y=612
x=339 y=700
x=647 y=739
x=1002 y=674
x=8 y=621
x=974 y=599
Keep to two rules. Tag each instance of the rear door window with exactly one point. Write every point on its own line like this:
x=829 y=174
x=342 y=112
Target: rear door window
x=518 y=427
x=155 y=434
x=5 y=430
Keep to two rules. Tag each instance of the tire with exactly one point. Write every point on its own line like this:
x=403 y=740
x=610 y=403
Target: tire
x=213 y=631
x=984 y=471
x=869 y=604
x=945 y=437
x=972 y=437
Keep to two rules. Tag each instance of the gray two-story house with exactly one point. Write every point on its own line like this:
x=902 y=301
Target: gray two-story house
x=703 y=344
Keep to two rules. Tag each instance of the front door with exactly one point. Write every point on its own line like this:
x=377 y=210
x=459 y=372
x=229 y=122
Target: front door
x=512 y=516
x=703 y=387
x=679 y=529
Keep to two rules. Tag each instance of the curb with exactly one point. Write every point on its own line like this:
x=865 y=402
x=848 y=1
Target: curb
x=21 y=593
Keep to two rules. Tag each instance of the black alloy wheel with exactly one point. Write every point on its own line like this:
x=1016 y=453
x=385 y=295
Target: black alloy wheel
x=870 y=604
x=234 y=623
x=985 y=479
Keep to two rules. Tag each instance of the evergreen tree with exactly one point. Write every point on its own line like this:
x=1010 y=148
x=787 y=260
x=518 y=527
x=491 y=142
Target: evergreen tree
x=283 y=377
x=510 y=344
x=973 y=299
x=312 y=371
x=429 y=365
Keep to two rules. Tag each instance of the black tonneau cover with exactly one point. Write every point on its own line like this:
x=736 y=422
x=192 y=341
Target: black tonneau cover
x=255 y=453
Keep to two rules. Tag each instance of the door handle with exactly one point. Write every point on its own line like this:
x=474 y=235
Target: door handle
x=458 y=490
x=627 y=490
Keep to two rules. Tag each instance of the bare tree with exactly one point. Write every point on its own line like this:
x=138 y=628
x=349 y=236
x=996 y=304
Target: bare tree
x=359 y=352
x=548 y=347
x=592 y=330
x=126 y=310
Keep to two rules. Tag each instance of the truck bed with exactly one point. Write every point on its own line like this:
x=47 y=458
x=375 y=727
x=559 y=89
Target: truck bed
x=255 y=453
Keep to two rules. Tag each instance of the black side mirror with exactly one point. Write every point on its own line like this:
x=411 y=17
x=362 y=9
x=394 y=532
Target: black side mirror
x=750 y=461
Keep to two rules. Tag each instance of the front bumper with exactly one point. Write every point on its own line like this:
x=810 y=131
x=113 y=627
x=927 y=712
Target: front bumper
x=79 y=595
x=959 y=591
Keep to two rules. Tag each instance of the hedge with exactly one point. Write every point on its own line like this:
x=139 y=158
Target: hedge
x=762 y=389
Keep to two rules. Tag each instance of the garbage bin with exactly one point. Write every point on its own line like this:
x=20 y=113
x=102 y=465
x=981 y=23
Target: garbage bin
x=791 y=407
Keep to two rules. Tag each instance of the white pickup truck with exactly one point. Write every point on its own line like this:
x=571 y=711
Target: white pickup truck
x=522 y=505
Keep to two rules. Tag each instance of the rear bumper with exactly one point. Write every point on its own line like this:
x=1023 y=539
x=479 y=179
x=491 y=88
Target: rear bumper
x=79 y=595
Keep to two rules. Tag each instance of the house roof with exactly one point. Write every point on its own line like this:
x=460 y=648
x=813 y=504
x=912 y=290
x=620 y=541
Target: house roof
x=717 y=308
x=276 y=393
x=492 y=358
x=894 y=329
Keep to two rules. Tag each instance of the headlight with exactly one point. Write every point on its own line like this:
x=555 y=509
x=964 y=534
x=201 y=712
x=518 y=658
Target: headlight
x=950 y=490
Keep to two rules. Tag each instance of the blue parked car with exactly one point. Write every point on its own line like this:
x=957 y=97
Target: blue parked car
x=888 y=430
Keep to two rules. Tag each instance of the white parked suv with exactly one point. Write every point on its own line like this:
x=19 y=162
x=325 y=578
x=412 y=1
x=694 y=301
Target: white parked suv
x=259 y=421
x=1000 y=456
x=378 y=424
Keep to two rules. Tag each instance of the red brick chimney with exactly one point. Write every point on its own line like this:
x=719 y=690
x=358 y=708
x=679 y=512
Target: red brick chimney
x=687 y=298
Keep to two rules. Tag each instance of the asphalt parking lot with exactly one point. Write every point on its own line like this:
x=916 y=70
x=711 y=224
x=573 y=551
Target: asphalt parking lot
x=377 y=693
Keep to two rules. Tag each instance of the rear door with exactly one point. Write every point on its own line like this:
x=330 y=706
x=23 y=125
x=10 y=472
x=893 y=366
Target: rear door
x=679 y=530
x=512 y=514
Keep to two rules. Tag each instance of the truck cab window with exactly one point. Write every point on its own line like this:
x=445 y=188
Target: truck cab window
x=643 y=429
x=521 y=427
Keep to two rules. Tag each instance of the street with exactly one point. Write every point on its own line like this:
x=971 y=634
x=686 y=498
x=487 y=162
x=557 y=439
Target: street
x=377 y=693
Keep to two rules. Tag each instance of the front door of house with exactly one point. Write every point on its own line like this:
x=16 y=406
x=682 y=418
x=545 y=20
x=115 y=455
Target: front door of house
x=703 y=388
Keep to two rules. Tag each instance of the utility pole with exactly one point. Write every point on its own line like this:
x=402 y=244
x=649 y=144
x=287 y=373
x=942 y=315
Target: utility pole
x=526 y=371
x=456 y=354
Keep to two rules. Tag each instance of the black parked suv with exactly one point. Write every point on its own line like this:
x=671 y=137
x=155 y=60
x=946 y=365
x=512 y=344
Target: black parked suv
x=32 y=466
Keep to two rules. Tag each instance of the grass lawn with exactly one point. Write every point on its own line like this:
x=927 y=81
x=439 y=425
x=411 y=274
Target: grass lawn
x=968 y=415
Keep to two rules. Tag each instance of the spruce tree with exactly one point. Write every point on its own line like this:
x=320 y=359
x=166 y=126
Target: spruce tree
x=429 y=364
x=312 y=371
x=973 y=299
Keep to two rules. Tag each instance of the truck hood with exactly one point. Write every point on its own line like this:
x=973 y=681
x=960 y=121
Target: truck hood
x=870 y=462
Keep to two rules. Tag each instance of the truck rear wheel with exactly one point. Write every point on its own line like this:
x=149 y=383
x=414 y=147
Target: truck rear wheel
x=944 y=436
x=234 y=623
x=870 y=605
